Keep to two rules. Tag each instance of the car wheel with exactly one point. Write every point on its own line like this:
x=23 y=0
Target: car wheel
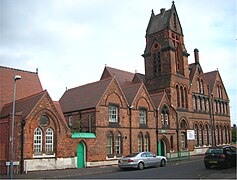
x=162 y=163
x=140 y=165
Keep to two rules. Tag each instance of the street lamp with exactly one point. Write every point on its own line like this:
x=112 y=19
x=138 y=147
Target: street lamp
x=16 y=77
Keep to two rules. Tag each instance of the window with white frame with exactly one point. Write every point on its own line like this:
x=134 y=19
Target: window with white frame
x=38 y=141
x=142 y=116
x=194 y=103
x=207 y=105
x=165 y=116
x=147 y=143
x=49 y=141
x=118 y=144
x=109 y=142
x=140 y=142
x=113 y=113
x=70 y=121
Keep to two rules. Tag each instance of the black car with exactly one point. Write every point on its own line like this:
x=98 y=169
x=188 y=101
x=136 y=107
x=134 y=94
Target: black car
x=220 y=156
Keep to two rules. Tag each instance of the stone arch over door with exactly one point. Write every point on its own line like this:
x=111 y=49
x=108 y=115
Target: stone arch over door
x=81 y=155
x=163 y=146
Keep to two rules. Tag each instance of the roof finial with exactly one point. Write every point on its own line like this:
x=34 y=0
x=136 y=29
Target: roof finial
x=172 y=2
x=105 y=65
x=152 y=12
x=37 y=70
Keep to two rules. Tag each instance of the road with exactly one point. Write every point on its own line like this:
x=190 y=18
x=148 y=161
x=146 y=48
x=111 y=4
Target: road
x=181 y=170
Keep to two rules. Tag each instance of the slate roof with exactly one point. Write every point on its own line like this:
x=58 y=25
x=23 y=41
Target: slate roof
x=131 y=91
x=157 y=98
x=23 y=106
x=28 y=85
x=85 y=96
x=210 y=78
x=121 y=76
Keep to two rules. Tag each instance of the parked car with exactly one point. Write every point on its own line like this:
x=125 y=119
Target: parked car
x=220 y=156
x=141 y=160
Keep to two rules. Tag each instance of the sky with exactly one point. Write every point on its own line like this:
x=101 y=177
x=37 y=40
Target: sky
x=71 y=41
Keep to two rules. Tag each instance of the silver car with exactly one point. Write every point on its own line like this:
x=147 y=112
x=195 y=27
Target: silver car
x=141 y=160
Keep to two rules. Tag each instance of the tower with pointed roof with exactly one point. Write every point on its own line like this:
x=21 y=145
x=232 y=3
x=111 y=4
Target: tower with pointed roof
x=165 y=55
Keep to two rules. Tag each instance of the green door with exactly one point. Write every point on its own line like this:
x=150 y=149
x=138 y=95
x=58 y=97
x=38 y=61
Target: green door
x=80 y=155
x=161 y=148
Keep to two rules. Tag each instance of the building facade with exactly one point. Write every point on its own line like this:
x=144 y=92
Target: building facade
x=121 y=113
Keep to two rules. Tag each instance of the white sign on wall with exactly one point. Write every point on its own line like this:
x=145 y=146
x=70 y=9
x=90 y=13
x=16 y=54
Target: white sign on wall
x=190 y=135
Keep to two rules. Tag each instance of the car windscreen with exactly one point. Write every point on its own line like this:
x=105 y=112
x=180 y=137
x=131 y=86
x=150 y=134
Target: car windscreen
x=132 y=155
x=215 y=151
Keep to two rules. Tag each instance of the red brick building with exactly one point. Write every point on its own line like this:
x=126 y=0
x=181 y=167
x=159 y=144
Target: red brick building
x=130 y=112
x=123 y=112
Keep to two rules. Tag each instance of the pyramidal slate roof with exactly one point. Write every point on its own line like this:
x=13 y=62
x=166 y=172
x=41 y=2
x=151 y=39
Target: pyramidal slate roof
x=85 y=96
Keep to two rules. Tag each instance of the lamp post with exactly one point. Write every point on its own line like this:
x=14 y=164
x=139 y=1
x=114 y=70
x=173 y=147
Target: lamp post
x=211 y=113
x=16 y=77
x=177 y=128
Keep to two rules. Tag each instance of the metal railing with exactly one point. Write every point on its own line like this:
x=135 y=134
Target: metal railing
x=175 y=156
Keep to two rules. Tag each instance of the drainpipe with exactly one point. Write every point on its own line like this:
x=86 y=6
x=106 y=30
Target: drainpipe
x=157 y=120
x=130 y=128
x=23 y=122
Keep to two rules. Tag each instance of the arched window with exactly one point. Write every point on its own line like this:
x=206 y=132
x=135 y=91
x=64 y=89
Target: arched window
x=182 y=95
x=158 y=63
x=217 y=135
x=49 y=141
x=109 y=141
x=165 y=116
x=118 y=144
x=194 y=103
x=196 y=134
x=203 y=104
x=198 y=87
x=38 y=141
x=206 y=134
x=147 y=143
x=178 y=96
x=183 y=124
x=225 y=135
x=201 y=87
x=154 y=65
x=200 y=135
x=198 y=104
x=207 y=105
x=186 y=97
x=221 y=135
x=183 y=140
x=140 y=142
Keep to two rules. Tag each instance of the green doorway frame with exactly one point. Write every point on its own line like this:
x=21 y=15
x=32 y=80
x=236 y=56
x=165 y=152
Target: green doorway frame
x=161 y=148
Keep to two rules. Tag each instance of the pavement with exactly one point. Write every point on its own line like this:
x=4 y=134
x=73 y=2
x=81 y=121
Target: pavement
x=67 y=173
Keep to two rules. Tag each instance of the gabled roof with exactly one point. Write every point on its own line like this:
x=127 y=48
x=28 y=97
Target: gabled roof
x=121 y=76
x=27 y=86
x=157 y=98
x=131 y=91
x=211 y=78
x=139 y=78
x=85 y=96
x=23 y=106
x=59 y=109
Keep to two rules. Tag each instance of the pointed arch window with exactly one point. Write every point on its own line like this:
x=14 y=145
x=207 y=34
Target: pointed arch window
x=147 y=142
x=198 y=87
x=200 y=135
x=194 y=102
x=182 y=96
x=196 y=134
x=165 y=116
x=118 y=144
x=159 y=63
x=140 y=142
x=206 y=134
x=178 y=95
x=186 y=97
x=154 y=65
x=37 y=141
x=109 y=144
x=49 y=141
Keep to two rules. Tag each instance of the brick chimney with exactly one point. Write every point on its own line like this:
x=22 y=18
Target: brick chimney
x=196 y=56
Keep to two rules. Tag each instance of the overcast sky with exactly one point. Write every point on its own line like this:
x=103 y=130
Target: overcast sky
x=70 y=41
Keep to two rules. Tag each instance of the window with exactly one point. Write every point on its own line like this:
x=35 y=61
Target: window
x=183 y=124
x=174 y=19
x=207 y=105
x=165 y=116
x=196 y=134
x=186 y=97
x=154 y=65
x=109 y=142
x=140 y=142
x=158 y=63
x=200 y=135
x=142 y=116
x=198 y=104
x=70 y=121
x=206 y=134
x=113 y=113
x=178 y=96
x=201 y=86
x=49 y=141
x=147 y=143
x=194 y=103
x=118 y=144
x=183 y=140
x=203 y=104
x=198 y=87
x=38 y=141
x=182 y=96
